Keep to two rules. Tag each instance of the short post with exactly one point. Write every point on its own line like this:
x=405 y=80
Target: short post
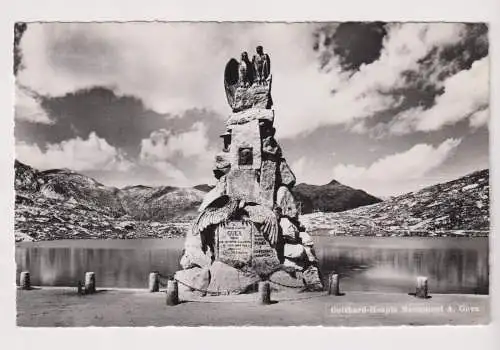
x=172 y=293
x=333 y=284
x=89 y=282
x=79 y=288
x=154 y=282
x=422 y=287
x=264 y=293
x=24 y=280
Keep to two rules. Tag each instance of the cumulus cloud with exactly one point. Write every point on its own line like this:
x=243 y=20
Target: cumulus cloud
x=28 y=108
x=396 y=172
x=363 y=94
x=163 y=148
x=163 y=144
x=465 y=95
x=176 y=66
x=479 y=118
x=77 y=154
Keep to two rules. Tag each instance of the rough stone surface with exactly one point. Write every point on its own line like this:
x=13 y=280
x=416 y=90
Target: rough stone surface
x=264 y=258
x=225 y=279
x=256 y=96
x=270 y=147
x=312 y=278
x=298 y=265
x=287 y=177
x=286 y=201
x=193 y=255
x=289 y=231
x=246 y=137
x=194 y=278
x=268 y=181
x=248 y=115
x=283 y=280
x=243 y=184
x=294 y=251
x=306 y=239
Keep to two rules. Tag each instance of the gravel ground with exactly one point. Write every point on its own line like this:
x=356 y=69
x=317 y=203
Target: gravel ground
x=63 y=307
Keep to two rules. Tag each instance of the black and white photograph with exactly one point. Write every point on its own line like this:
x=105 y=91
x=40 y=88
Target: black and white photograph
x=251 y=173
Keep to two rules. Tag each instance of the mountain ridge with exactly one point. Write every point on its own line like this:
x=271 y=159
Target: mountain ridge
x=60 y=203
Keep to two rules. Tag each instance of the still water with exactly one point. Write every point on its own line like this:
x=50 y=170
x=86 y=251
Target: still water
x=453 y=265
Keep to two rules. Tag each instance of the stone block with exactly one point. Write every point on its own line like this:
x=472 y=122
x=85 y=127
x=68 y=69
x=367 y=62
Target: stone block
x=255 y=96
x=249 y=115
x=194 y=278
x=297 y=265
x=312 y=279
x=282 y=280
x=268 y=181
x=289 y=231
x=286 y=177
x=286 y=201
x=225 y=279
x=243 y=184
x=245 y=151
x=294 y=251
x=306 y=239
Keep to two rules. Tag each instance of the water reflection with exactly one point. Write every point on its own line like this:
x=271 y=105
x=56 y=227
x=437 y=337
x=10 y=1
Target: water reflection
x=364 y=264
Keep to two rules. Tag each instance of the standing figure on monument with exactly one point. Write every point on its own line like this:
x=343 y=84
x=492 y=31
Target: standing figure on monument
x=245 y=71
x=262 y=65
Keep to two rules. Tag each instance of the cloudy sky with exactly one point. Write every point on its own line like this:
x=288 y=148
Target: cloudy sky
x=385 y=107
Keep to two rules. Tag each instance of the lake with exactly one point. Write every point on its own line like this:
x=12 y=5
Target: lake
x=381 y=264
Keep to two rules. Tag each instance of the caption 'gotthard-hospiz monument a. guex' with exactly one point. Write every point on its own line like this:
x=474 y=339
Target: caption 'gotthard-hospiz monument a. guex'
x=248 y=227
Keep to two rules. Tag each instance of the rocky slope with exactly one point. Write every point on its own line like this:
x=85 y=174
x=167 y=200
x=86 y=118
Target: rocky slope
x=57 y=204
x=332 y=197
x=61 y=203
x=458 y=207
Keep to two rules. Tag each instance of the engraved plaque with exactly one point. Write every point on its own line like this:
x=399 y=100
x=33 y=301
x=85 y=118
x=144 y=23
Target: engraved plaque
x=234 y=242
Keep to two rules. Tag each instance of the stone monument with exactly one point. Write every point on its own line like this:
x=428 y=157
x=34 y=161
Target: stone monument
x=248 y=228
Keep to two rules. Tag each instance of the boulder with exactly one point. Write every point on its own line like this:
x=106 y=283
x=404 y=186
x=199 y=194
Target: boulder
x=311 y=254
x=249 y=115
x=193 y=255
x=256 y=96
x=286 y=177
x=289 y=231
x=268 y=181
x=284 y=280
x=306 y=239
x=312 y=279
x=195 y=278
x=225 y=279
x=294 y=251
x=286 y=201
x=297 y=265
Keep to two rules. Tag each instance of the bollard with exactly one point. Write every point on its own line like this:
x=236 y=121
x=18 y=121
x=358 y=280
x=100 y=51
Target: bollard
x=264 y=293
x=172 y=293
x=79 y=288
x=154 y=282
x=422 y=288
x=24 y=280
x=333 y=284
x=89 y=282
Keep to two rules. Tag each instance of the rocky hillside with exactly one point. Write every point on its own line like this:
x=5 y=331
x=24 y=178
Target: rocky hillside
x=332 y=197
x=458 y=207
x=57 y=204
x=161 y=203
x=61 y=203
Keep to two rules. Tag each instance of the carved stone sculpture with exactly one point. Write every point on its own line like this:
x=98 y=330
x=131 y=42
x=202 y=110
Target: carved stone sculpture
x=248 y=227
